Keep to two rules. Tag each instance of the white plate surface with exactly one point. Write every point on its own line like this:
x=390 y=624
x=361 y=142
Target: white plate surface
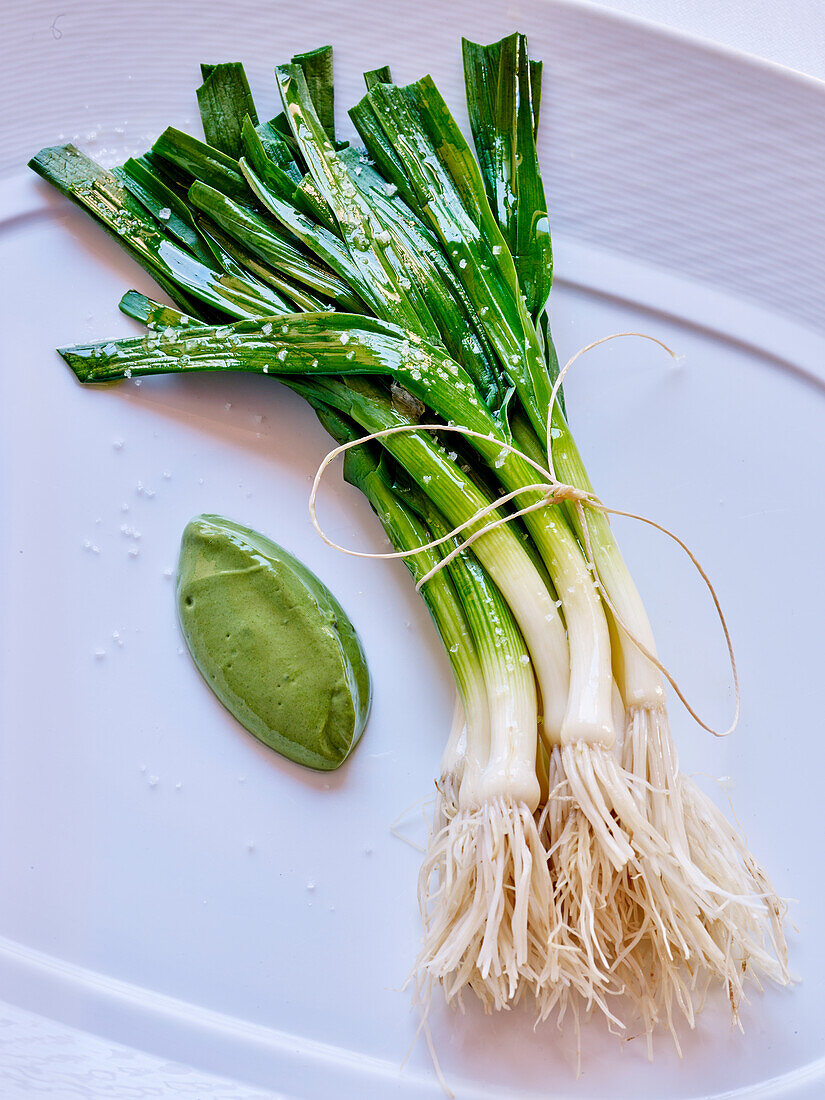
x=174 y=886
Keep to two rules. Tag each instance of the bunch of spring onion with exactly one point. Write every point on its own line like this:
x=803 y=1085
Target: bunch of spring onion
x=401 y=287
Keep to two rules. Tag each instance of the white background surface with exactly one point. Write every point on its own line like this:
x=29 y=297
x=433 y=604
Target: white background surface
x=785 y=32
x=788 y=32
x=34 y=1058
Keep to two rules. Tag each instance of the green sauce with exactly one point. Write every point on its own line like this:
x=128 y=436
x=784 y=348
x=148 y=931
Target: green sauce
x=272 y=642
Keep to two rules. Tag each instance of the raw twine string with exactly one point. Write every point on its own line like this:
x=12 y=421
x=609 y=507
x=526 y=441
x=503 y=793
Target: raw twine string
x=553 y=492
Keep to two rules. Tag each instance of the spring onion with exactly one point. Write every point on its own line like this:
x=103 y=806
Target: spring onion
x=401 y=289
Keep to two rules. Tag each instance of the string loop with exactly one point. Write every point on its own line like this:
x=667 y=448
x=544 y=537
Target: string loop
x=553 y=491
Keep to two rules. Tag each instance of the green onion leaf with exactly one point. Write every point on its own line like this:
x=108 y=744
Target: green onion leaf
x=202 y=162
x=225 y=101
x=316 y=66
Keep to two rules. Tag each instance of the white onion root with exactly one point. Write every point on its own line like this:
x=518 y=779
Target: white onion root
x=653 y=883
x=486 y=901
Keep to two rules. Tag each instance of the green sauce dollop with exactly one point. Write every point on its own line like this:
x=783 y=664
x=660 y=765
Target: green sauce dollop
x=272 y=642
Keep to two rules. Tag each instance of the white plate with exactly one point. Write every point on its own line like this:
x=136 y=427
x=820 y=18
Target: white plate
x=168 y=883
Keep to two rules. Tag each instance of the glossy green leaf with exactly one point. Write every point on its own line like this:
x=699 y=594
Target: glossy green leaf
x=261 y=238
x=225 y=101
x=316 y=65
x=202 y=162
x=501 y=84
